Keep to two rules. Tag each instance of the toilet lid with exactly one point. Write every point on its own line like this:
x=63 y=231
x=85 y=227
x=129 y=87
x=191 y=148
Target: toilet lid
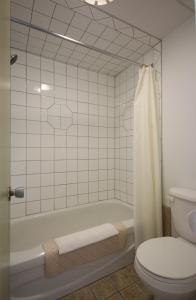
x=168 y=257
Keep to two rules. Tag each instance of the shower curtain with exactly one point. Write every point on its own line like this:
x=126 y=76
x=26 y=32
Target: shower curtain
x=147 y=159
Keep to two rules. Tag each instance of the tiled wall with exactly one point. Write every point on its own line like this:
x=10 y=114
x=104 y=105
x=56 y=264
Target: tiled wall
x=125 y=85
x=62 y=135
x=71 y=144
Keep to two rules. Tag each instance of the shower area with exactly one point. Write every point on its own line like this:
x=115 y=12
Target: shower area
x=72 y=96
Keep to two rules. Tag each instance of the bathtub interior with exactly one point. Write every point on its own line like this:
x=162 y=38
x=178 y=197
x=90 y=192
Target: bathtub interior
x=30 y=232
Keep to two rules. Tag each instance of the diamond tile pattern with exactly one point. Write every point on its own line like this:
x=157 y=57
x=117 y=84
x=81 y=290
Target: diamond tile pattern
x=78 y=20
x=59 y=116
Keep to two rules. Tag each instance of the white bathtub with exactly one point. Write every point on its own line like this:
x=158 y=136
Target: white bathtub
x=27 y=279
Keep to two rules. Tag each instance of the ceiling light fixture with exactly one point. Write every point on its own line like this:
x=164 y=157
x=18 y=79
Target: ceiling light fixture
x=98 y=2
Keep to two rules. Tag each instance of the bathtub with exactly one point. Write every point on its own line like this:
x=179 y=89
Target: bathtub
x=27 y=280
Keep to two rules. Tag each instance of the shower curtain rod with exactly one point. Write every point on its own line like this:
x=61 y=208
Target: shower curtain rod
x=66 y=38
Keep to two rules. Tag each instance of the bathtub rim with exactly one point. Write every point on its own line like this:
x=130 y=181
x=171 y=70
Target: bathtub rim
x=67 y=209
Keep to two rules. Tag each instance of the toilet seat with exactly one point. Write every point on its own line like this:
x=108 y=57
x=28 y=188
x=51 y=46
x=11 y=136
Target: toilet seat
x=168 y=259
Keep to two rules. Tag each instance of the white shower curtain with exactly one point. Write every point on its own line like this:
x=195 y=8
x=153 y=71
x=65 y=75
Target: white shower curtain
x=147 y=159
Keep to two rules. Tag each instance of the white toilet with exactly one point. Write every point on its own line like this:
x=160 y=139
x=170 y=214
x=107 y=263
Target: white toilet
x=167 y=265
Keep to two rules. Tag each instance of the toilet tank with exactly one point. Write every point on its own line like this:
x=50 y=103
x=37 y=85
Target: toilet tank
x=183 y=211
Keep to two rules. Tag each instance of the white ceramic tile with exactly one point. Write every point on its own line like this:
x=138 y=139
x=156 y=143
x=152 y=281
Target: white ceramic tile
x=47 y=64
x=95 y=28
x=60 y=68
x=60 y=80
x=82 y=74
x=83 y=188
x=33 y=60
x=18 y=126
x=60 y=178
x=72 y=177
x=47 y=141
x=18 y=140
x=33 y=87
x=33 y=180
x=18 y=98
x=18 y=181
x=33 y=127
x=33 y=167
x=58 y=26
x=60 y=203
x=17 y=210
x=33 y=194
x=71 y=189
x=47 y=166
x=47 y=205
x=42 y=20
x=93 y=187
x=33 y=140
x=18 y=154
x=45 y=7
x=71 y=71
x=33 y=100
x=18 y=112
x=33 y=154
x=33 y=207
x=83 y=199
x=18 y=168
x=60 y=166
x=60 y=153
x=18 y=84
x=20 y=12
x=47 y=179
x=72 y=201
x=46 y=128
x=60 y=191
x=93 y=197
x=47 y=153
x=63 y=14
x=80 y=21
x=33 y=73
x=18 y=70
x=33 y=114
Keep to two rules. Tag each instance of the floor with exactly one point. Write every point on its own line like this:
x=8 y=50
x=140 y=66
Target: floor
x=121 y=285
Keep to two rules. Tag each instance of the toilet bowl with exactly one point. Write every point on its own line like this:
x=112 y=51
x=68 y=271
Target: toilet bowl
x=167 y=265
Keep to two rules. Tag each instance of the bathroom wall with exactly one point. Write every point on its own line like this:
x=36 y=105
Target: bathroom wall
x=125 y=85
x=179 y=107
x=72 y=133
x=62 y=135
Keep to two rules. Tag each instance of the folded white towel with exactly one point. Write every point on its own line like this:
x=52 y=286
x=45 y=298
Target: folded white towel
x=84 y=238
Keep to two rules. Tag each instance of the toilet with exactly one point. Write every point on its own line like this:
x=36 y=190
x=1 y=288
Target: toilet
x=167 y=265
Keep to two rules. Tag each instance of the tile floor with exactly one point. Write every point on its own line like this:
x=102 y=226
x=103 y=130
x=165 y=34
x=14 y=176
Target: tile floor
x=121 y=285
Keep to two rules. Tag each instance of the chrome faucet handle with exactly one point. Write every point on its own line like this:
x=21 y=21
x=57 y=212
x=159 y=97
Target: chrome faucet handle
x=18 y=193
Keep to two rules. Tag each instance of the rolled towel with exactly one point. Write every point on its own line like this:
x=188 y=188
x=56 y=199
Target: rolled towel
x=84 y=238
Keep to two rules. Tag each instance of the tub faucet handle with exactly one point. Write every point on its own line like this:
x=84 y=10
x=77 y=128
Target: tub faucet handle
x=18 y=193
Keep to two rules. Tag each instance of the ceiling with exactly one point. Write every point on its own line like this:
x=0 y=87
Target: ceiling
x=84 y=23
x=158 y=17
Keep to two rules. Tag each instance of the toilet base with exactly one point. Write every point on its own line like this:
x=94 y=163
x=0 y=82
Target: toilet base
x=161 y=290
